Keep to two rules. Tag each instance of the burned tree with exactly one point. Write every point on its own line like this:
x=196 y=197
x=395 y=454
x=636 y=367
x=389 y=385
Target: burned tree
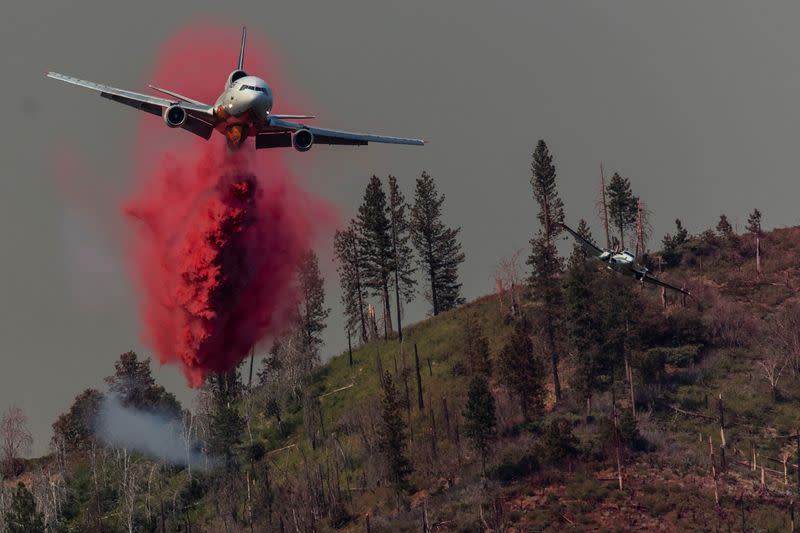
x=15 y=441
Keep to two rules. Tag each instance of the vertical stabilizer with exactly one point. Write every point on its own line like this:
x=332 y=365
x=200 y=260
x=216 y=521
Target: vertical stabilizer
x=241 y=52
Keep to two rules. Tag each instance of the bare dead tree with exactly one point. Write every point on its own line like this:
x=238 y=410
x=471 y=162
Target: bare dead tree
x=785 y=334
x=188 y=438
x=731 y=324
x=508 y=277
x=772 y=365
x=40 y=490
x=15 y=440
x=129 y=489
x=602 y=204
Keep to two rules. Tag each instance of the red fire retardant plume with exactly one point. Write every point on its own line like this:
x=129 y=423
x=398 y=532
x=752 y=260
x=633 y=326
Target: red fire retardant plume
x=218 y=236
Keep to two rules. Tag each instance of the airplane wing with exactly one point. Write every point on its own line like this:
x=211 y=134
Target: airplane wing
x=325 y=136
x=200 y=119
x=649 y=278
x=590 y=248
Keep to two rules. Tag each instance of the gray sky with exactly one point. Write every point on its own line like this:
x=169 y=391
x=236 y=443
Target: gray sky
x=696 y=102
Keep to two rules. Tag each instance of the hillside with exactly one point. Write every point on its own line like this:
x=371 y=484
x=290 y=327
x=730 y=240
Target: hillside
x=314 y=462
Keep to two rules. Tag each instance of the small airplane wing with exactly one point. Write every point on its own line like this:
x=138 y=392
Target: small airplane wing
x=649 y=278
x=590 y=248
x=200 y=116
x=325 y=136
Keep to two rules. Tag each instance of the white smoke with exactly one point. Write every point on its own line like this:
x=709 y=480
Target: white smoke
x=157 y=436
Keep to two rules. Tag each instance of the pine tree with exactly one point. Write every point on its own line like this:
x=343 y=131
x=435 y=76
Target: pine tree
x=22 y=516
x=437 y=245
x=578 y=255
x=135 y=387
x=350 y=265
x=671 y=243
x=545 y=191
x=724 y=228
x=681 y=234
x=545 y=263
x=481 y=420
x=226 y=425
x=376 y=245
x=311 y=311
x=392 y=437
x=620 y=307
x=521 y=371
x=754 y=222
x=404 y=282
x=584 y=322
x=75 y=428
x=622 y=205
x=476 y=347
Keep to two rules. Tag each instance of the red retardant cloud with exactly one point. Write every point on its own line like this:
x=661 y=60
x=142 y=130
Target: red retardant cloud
x=218 y=236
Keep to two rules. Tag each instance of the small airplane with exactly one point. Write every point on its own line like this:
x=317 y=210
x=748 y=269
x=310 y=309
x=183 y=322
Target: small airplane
x=243 y=109
x=620 y=261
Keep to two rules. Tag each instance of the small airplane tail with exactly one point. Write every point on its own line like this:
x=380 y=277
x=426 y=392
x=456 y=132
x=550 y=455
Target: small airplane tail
x=241 y=50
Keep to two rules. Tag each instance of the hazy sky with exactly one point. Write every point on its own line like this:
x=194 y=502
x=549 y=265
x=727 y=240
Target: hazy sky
x=698 y=103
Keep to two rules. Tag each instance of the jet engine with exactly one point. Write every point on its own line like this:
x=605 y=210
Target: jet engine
x=302 y=140
x=174 y=116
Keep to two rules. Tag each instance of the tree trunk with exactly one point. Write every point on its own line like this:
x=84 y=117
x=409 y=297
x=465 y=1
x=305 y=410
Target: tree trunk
x=629 y=375
x=364 y=336
x=252 y=356
x=387 y=311
x=420 y=402
x=554 y=360
x=397 y=284
x=758 y=256
x=350 y=348
x=605 y=206
x=432 y=274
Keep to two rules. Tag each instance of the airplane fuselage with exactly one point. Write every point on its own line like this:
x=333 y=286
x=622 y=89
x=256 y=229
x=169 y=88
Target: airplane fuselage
x=623 y=262
x=246 y=102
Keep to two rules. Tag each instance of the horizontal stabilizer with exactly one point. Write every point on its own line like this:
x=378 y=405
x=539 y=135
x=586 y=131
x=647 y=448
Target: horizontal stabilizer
x=293 y=117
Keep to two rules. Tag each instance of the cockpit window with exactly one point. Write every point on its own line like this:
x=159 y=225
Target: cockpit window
x=250 y=87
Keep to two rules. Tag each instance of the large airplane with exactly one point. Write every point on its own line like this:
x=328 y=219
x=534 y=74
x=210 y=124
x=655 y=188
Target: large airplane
x=244 y=109
x=620 y=261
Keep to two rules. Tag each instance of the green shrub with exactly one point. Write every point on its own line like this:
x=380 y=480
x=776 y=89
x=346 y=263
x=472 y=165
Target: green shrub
x=587 y=489
x=558 y=441
x=512 y=469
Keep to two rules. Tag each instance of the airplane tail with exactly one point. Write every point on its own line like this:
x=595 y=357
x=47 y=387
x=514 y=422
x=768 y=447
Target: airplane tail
x=241 y=51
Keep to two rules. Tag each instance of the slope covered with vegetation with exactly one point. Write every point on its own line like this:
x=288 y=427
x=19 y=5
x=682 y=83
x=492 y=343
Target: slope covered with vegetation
x=318 y=459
